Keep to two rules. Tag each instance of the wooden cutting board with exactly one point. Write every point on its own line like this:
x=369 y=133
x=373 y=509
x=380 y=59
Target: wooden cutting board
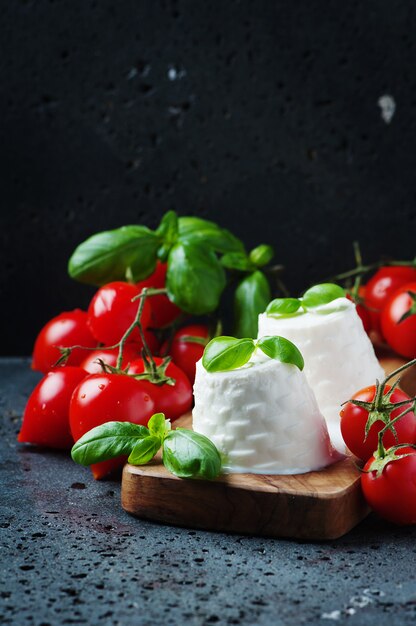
x=313 y=506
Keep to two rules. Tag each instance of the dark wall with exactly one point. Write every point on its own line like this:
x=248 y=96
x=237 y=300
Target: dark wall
x=262 y=115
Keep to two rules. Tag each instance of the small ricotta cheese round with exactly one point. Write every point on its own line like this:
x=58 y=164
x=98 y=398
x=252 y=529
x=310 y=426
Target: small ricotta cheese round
x=339 y=356
x=263 y=417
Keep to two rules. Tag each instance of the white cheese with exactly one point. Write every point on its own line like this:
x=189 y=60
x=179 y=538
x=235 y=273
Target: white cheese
x=339 y=356
x=263 y=417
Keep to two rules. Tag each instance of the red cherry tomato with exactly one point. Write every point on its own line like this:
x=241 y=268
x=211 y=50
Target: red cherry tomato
x=101 y=398
x=393 y=494
x=401 y=336
x=65 y=330
x=362 y=311
x=185 y=353
x=164 y=312
x=354 y=419
x=46 y=416
x=111 y=312
x=172 y=400
x=91 y=363
x=381 y=286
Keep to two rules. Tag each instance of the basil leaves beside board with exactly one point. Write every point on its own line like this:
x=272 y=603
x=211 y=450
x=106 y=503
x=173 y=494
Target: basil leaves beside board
x=313 y=299
x=185 y=453
x=198 y=254
x=223 y=354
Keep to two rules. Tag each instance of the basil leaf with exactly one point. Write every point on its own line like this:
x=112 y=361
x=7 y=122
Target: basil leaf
x=158 y=425
x=168 y=231
x=199 y=231
x=322 y=294
x=283 y=306
x=262 y=255
x=114 y=255
x=195 y=278
x=237 y=261
x=190 y=455
x=227 y=353
x=145 y=450
x=250 y=299
x=107 y=441
x=282 y=350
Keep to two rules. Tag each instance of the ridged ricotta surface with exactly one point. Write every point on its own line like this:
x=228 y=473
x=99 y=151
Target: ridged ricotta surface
x=263 y=417
x=339 y=356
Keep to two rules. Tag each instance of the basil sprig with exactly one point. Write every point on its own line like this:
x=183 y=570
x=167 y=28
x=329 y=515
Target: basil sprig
x=223 y=354
x=197 y=251
x=314 y=298
x=184 y=453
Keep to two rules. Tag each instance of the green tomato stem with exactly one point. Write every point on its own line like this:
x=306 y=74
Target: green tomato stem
x=146 y=292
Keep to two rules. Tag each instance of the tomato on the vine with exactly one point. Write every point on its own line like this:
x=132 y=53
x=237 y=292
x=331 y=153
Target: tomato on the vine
x=101 y=398
x=111 y=312
x=381 y=286
x=65 y=330
x=46 y=416
x=164 y=312
x=392 y=491
x=188 y=346
x=354 y=419
x=398 y=320
x=91 y=363
x=172 y=400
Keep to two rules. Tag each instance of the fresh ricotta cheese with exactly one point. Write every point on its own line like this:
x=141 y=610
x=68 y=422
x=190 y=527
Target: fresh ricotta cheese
x=339 y=356
x=263 y=417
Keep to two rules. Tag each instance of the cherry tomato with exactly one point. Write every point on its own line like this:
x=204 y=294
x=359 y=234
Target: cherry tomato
x=354 y=419
x=111 y=312
x=91 y=363
x=172 y=400
x=362 y=311
x=164 y=312
x=401 y=336
x=185 y=353
x=46 y=416
x=381 y=286
x=101 y=398
x=65 y=330
x=393 y=494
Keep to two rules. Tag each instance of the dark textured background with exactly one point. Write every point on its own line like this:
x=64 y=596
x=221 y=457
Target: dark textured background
x=262 y=115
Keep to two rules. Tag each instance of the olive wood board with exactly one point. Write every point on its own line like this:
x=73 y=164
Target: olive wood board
x=313 y=506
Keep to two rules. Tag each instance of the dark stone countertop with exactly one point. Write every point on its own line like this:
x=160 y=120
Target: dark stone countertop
x=70 y=555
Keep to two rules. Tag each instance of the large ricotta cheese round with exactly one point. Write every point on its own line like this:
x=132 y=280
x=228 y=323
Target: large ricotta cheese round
x=263 y=417
x=339 y=356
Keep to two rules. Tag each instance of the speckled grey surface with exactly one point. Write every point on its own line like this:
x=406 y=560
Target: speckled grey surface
x=70 y=555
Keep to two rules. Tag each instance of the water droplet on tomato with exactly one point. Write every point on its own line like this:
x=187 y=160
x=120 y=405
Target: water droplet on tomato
x=102 y=386
x=43 y=406
x=146 y=398
x=83 y=396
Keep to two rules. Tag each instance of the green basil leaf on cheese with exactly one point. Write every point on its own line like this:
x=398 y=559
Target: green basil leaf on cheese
x=283 y=306
x=250 y=299
x=199 y=231
x=195 y=278
x=319 y=295
x=261 y=255
x=237 y=261
x=190 y=455
x=107 y=441
x=158 y=425
x=129 y=251
x=227 y=353
x=145 y=450
x=282 y=350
